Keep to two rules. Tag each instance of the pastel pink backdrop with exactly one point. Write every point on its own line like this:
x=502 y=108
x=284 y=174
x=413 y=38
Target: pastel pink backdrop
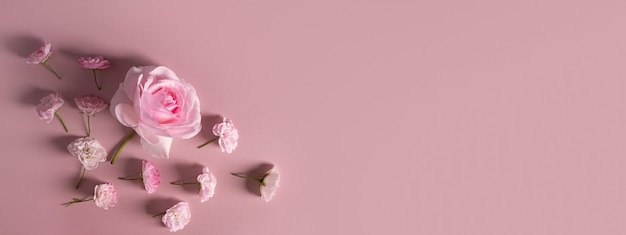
x=385 y=117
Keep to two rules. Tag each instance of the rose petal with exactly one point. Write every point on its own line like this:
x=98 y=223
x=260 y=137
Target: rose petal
x=159 y=149
x=126 y=115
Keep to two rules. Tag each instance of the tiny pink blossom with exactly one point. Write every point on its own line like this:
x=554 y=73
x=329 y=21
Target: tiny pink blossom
x=40 y=55
x=228 y=135
x=270 y=184
x=97 y=62
x=207 y=183
x=151 y=176
x=177 y=217
x=48 y=106
x=90 y=104
x=105 y=196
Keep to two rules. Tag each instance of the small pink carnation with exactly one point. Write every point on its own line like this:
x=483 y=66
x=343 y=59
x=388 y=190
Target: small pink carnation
x=177 y=217
x=40 y=55
x=227 y=134
x=105 y=196
x=207 y=182
x=90 y=104
x=48 y=106
x=151 y=176
x=269 y=184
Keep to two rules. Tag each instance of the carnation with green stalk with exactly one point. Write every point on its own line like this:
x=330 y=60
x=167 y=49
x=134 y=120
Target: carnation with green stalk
x=48 y=108
x=93 y=64
x=105 y=196
x=90 y=105
x=89 y=152
x=41 y=56
x=268 y=184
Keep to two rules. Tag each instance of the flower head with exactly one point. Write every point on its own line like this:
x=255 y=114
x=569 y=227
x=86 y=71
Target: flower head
x=88 y=151
x=90 y=104
x=151 y=176
x=207 y=183
x=270 y=184
x=40 y=55
x=159 y=106
x=97 y=62
x=105 y=196
x=177 y=217
x=48 y=105
x=228 y=135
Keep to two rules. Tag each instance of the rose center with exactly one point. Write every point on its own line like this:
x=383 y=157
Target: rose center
x=170 y=105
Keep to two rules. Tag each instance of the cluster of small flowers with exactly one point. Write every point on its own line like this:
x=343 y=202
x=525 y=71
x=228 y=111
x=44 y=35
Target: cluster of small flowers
x=158 y=106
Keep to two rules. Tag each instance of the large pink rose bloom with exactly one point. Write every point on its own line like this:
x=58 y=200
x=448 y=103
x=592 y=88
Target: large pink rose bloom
x=159 y=106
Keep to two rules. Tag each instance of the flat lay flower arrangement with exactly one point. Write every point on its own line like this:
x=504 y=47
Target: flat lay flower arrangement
x=158 y=107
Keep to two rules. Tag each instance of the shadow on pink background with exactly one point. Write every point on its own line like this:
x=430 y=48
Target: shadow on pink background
x=385 y=117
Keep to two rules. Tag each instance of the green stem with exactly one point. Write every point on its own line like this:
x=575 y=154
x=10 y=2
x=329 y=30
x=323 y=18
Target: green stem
x=162 y=213
x=56 y=113
x=247 y=177
x=88 y=125
x=45 y=63
x=133 y=179
x=77 y=200
x=184 y=183
x=124 y=142
x=208 y=142
x=95 y=79
x=82 y=175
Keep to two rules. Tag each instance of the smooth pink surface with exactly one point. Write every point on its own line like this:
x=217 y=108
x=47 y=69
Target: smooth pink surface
x=385 y=117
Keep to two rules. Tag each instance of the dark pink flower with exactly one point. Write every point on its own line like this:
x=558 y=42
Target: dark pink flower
x=97 y=62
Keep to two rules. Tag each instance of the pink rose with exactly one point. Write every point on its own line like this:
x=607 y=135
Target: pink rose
x=97 y=62
x=151 y=176
x=227 y=134
x=159 y=106
x=41 y=55
x=207 y=183
x=177 y=217
x=105 y=196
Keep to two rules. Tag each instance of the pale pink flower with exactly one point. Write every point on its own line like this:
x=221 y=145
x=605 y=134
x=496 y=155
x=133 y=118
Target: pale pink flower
x=88 y=151
x=151 y=176
x=90 y=104
x=207 y=183
x=227 y=134
x=177 y=217
x=105 y=196
x=48 y=106
x=270 y=184
x=97 y=62
x=159 y=106
x=40 y=55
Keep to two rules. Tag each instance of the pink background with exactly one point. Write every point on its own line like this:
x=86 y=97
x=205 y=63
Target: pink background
x=385 y=117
